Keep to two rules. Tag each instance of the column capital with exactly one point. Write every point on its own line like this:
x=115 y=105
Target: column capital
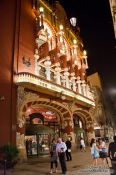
x=47 y=63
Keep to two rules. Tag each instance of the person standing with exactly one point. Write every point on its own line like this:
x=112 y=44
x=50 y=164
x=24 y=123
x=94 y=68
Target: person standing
x=82 y=145
x=112 y=155
x=61 y=149
x=54 y=157
x=102 y=150
x=94 y=151
x=68 y=151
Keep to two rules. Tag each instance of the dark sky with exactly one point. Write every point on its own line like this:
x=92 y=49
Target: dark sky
x=96 y=27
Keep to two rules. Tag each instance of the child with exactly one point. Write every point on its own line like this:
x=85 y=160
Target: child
x=54 y=157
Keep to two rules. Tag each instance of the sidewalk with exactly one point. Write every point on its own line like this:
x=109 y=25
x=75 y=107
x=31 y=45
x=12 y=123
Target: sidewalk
x=80 y=165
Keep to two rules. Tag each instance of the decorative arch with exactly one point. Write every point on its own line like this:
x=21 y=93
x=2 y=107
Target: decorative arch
x=84 y=114
x=27 y=99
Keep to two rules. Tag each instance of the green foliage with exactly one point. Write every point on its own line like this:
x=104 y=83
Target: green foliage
x=10 y=151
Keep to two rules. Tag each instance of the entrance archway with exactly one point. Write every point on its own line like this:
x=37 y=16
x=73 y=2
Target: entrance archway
x=41 y=126
x=33 y=101
x=79 y=128
x=83 y=126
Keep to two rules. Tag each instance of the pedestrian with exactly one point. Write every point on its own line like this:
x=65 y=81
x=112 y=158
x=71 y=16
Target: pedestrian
x=82 y=145
x=112 y=155
x=94 y=152
x=54 y=157
x=68 y=151
x=61 y=149
x=102 y=150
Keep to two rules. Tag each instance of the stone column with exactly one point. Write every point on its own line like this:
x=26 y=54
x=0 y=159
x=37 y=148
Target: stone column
x=58 y=75
x=37 y=67
x=84 y=88
x=47 y=64
x=73 y=82
x=63 y=81
x=89 y=93
x=20 y=133
x=90 y=132
x=70 y=84
x=79 y=85
x=66 y=74
x=68 y=129
x=20 y=141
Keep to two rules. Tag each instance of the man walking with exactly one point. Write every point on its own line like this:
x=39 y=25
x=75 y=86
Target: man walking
x=61 y=149
x=68 y=151
x=112 y=155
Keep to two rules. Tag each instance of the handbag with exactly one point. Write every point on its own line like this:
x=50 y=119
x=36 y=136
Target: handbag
x=69 y=150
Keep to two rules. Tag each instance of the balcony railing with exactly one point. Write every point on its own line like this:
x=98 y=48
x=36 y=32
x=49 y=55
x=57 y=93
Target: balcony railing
x=40 y=82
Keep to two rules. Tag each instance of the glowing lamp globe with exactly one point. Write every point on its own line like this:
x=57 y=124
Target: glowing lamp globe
x=73 y=21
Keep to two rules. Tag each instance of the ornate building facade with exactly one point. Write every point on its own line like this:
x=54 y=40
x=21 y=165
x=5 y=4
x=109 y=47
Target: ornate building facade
x=44 y=68
x=113 y=12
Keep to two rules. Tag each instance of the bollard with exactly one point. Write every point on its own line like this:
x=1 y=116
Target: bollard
x=4 y=167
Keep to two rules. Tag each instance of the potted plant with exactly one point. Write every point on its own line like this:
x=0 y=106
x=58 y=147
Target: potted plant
x=10 y=154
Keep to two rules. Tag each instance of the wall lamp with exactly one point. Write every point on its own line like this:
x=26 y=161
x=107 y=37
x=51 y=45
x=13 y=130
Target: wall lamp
x=2 y=98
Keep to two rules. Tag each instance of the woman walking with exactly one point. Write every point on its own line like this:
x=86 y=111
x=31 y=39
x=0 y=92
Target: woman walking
x=94 y=152
x=82 y=145
x=102 y=151
x=54 y=157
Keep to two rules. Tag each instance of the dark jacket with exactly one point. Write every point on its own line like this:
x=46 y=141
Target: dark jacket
x=68 y=144
x=112 y=150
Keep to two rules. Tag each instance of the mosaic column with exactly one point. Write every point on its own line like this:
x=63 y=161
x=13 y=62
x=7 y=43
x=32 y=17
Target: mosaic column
x=20 y=141
x=68 y=128
x=47 y=64
x=37 y=67
x=90 y=131
x=73 y=82
x=84 y=88
x=58 y=75
x=20 y=134
x=63 y=81
x=79 y=85
x=66 y=74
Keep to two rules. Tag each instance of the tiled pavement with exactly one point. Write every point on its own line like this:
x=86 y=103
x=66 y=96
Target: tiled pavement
x=80 y=165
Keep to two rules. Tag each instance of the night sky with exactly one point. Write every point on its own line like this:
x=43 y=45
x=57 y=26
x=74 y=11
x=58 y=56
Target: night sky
x=96 y=29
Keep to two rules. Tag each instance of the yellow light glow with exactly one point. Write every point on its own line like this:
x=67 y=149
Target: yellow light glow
x=74 y=41
x=85 y=52
x=61 y=27
x=41 y=9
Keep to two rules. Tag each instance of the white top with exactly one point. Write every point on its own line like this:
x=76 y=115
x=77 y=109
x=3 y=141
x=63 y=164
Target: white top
x=92 y=148
x=61 y=147
x=102 y=145
x=82 y=142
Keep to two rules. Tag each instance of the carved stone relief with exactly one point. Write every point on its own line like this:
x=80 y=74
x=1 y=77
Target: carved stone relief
x=23 y=97
x=20 y=139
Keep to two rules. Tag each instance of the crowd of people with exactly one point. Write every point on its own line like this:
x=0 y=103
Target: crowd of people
x=99 y=150
x=61 y=151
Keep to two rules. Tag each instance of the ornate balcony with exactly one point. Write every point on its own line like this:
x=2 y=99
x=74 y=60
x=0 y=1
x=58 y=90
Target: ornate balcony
x=24 y=78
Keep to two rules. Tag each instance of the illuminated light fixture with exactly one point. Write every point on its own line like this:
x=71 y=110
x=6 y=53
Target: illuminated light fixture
x=74 y=41
x=85 y=53
x=41 y=9
x=73 y=21
x=2 y=98
x=61 y=27
x=76 y=62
